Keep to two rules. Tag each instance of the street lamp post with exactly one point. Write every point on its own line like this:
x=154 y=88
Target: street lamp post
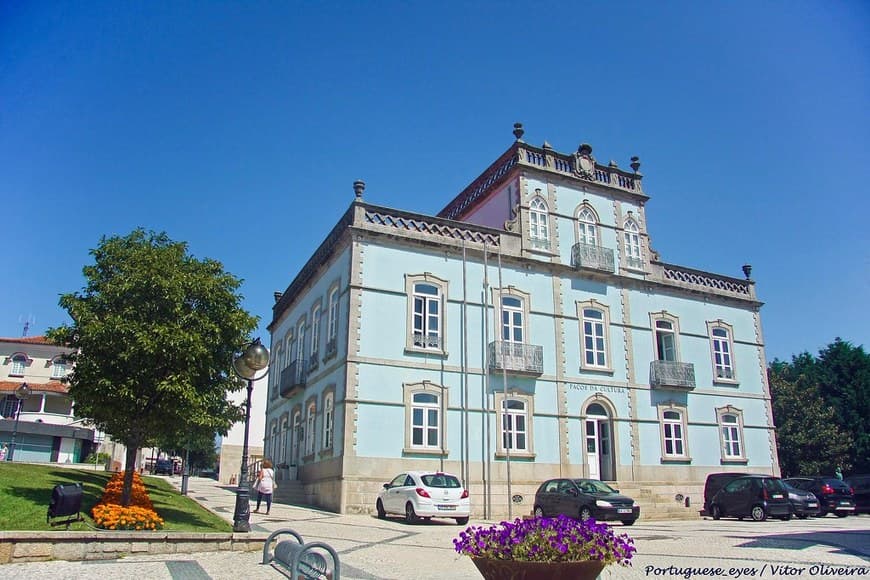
x=254 y=359
x=21 y=393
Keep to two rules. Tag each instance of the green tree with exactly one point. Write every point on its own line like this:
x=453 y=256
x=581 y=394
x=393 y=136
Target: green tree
x=155 y=331
x=809 y=440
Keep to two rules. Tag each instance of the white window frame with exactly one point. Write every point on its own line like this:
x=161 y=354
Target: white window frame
x=674 y=331
x=587 y=226
x=539 y=223
x=429 y=388
x=282 y=440
x=413 y=330
x=297 y=435
x=507 y=424
x=328 y=420
x=301 y=361
x=674 y=432
x=58 y=368
x=722 y=351
x=732 y=444
x=604 y=323
x=631 y=243
x=498 y=296
x=310 y=428
x=314 y=347
x=19 y=365
x=333 y=312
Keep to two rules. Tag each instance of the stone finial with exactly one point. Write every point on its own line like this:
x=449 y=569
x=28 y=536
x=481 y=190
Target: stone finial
x=584 y=149
x=547 y=145
x=612 y=164
x=747 y=271
x=635 y=163
x=278 y=296
x=519 y=131
x=359 y=186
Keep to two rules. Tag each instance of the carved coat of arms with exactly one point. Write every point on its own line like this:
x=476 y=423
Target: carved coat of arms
x=584 y=163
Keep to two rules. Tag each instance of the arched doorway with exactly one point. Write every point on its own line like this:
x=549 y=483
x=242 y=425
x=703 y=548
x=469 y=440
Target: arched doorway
x=598 y=436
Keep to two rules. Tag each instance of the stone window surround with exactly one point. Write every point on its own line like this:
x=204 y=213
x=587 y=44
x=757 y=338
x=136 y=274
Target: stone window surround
x=443 y=288
x=316 y=315
x=605 y=310
x=675 y=321
x=585 y=205
x=328 y=443
x=525 y=297
x=425 y=386
x=296 y=445
x=542 y=211
x=310 y=428
x=529 y=400
x=719 y=323
x=727 y=459
x=682 y=409
x=641 y=236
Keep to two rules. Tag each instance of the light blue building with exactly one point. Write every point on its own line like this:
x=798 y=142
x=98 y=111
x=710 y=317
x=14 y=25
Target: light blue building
x=527 y=331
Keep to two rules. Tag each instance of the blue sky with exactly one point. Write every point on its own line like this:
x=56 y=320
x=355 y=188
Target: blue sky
x=239 y=128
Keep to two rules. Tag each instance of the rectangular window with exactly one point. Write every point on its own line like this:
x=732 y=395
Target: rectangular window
x=427 y=316
x=666 y=341
x=511 y=319
x=594 y=343
x=332 y=322
x=58 y=369
x=315 y=333
x=514 y=420
x=310 y=432
x=19 y=362
x=328 y=418
x=722 y=365
x=425 y=420
x=673 y=435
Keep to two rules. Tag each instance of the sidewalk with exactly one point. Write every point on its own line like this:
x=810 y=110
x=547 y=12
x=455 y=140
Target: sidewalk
x=368 y=548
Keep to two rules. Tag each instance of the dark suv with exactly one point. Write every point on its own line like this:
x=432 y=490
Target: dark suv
x=755 y=496
x=583 y=499
x=163 y=466
x=860 y=485
x=835 y=496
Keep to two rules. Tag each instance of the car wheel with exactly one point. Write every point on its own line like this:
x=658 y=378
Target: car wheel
x=410 y=514
x=758 y=514
x=585 y=514
x=539 y=512
x=717 y=513
x=842 y=514
x=461 y=521
x=381 y=511
x=628 y=522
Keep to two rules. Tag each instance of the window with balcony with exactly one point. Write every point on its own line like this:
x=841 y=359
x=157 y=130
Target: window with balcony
x=595 y=340
x=301 y=360
x=588 y=253
x=539 y=227
x=424 y=417
x=510 y=351
x=666 y=370
x=427 y=296
x=731 y=434
x=721 y=348
x=515 y=424
x=631 y=239
x=673 y=425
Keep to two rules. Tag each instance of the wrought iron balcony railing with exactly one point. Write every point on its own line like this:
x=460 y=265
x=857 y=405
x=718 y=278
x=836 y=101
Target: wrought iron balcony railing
x=427 y=341
x=672 y=374
x=293 y=379
x=331 y=350
x=516 y=357
x=589 y=256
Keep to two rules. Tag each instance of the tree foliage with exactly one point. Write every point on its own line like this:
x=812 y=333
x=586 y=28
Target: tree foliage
x=821 y=407
x=155 y=331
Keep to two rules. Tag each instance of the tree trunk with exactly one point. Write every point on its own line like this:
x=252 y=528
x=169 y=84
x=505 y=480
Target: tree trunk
x=130 y=468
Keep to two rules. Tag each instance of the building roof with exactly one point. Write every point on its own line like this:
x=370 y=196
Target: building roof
x=28 y=340
x=49 y=387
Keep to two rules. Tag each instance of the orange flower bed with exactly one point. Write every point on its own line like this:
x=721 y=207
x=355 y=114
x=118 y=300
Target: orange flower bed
x=139 y=515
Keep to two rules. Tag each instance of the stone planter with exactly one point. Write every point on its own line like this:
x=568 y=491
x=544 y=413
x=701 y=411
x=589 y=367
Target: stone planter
x=492 y=569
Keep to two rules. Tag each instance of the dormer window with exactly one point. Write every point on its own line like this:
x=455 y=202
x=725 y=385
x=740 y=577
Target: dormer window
x=19 y=363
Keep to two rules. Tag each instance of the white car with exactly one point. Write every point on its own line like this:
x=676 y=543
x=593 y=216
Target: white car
x=425 y=494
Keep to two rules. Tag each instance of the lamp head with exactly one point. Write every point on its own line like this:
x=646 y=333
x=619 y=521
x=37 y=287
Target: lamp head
x=22 y=391
x=256 y=356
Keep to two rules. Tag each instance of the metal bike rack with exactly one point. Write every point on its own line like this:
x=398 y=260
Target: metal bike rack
x=296 y=559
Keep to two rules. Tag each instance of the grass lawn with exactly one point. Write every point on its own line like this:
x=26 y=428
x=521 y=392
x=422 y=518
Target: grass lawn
x=25 y=491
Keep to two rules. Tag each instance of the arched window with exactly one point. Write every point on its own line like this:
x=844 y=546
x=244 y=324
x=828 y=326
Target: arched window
x=633 y=257
x=673 y=433
x=58 y=368
x=539 y=227
x=309 y=429
x=587 y=227
x=297 y=437
x=721 y=348
x=514 y=425
x=19 y=363
x=315 y=337
x=300 y=352
x=328 y=420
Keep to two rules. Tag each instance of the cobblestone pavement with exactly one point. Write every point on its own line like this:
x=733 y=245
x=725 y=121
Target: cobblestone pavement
x=370 y=549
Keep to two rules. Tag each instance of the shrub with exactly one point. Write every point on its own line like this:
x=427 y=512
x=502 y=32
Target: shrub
x=139 y=515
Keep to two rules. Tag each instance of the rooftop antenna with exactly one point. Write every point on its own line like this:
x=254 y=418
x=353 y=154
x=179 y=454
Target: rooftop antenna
x=27 y=322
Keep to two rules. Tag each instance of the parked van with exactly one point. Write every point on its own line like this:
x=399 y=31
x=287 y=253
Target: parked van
x=755 y=496
x=715 y=482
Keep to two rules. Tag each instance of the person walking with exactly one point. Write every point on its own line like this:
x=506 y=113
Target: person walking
x=265 y=485
x=4 y=451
